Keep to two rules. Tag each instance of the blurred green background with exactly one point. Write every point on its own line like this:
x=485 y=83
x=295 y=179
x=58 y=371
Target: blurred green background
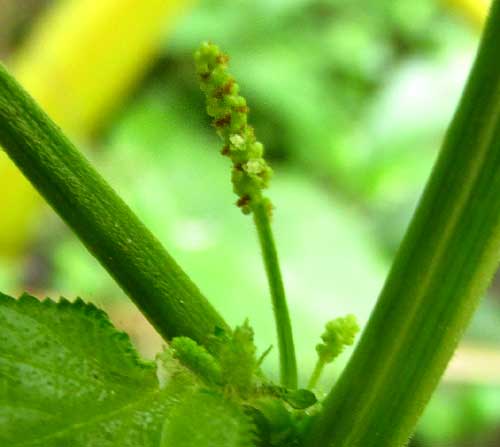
x=351 y=100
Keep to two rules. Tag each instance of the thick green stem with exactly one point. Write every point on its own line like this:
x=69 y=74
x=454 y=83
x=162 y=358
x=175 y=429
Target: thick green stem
x=288 y=362
x=443 y=267
x=104 y=223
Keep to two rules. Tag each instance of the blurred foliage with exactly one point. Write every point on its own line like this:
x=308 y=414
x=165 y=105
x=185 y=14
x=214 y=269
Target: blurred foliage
x=465 y=413
x=475 y=11
x=93 y=66
x=345 y=89
x=16 y=19
x=351 y=99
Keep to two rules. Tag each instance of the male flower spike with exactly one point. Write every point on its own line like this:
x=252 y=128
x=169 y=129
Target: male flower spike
x=229 y=110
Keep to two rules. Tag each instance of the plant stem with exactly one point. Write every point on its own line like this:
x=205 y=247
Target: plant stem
x=288 y=363
x=442 y=268
x=103 y=222
x=316 y=374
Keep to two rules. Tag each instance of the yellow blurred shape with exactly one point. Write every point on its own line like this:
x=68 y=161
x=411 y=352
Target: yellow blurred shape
x=79 y=62
x=18 y=204
x=475 y=11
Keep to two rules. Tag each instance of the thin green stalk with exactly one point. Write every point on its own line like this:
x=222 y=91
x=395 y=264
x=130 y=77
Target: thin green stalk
x=103 y=222
x=316 y=374
x=443 y=267
x=286 y=347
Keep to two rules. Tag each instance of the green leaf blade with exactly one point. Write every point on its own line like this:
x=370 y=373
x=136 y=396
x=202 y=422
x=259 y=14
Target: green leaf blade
x=208 y=419
x=68 y=377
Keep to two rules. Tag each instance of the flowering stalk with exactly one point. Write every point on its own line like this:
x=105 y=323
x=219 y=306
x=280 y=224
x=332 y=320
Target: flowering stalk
x=250 y=175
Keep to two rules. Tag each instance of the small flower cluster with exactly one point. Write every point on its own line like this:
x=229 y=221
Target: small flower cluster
x=229 y=111
x=338 y=334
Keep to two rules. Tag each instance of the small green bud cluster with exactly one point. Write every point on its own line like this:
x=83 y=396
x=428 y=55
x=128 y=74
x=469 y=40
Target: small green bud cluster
x=236 y=354
x=230 y=361
x=229 y=110
x=197 y=359
x=338 y=334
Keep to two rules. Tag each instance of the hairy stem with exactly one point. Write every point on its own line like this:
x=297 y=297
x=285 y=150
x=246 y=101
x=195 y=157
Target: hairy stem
x=103 y=222
x=288 y=362
x=443 y=266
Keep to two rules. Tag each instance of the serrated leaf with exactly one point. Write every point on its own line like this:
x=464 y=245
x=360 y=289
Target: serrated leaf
x=207 y=419
x=69 y=378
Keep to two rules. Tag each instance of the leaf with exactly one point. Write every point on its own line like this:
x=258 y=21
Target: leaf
x=207 y=419
x=300 y=399
x=69 y=378
x=273 y=421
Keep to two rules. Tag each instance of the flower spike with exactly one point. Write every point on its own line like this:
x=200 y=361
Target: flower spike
x=229 y=110
x=250 y=175
x=338 y=334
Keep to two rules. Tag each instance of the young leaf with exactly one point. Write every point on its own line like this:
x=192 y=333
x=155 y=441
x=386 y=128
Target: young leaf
x=68 y=377
x=299 y=399
x=236 y=355
x=207 y=419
